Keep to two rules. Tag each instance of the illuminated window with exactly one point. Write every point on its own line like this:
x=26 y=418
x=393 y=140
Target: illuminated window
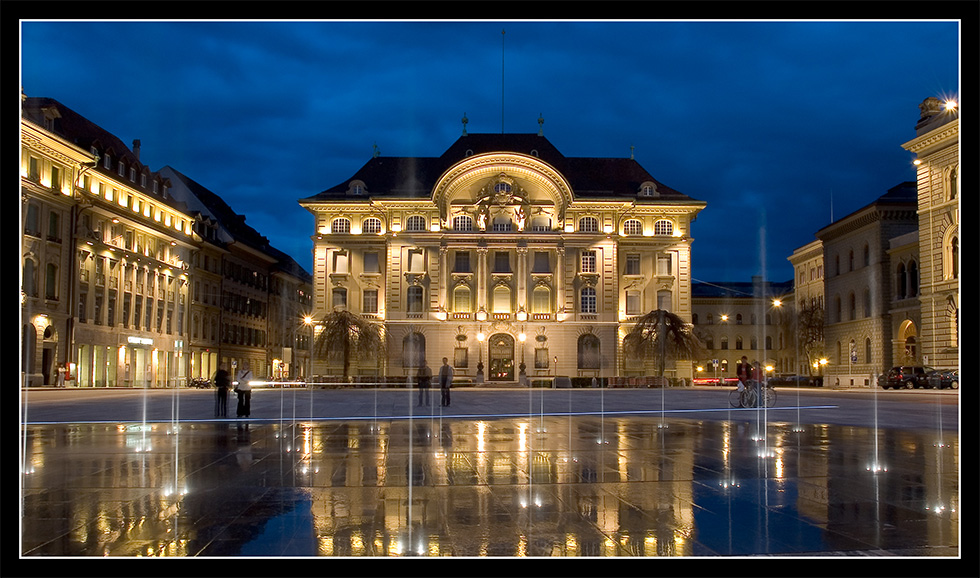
x=463 y=223
x=541 y=300
x=588 y=225
x=501 y=299
x=371 y=225
x=370 y=301
x=632 y=302
x=588 y=262
x=663 y=227
x=461 y=299
x=462 y=262
x=415 y=223
x=502 y=224
x=588 y=300
x=632 y=263
x=633 y=227
x=340 y=225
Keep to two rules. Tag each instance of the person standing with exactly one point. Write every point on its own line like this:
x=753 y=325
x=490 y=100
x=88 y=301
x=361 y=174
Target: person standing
x=744 y=373
x=445 y=381
x=424 y=382
x=244 y=391
x=222 y=381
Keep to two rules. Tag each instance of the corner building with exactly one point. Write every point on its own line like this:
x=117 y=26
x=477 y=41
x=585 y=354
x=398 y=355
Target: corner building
x=501 y=251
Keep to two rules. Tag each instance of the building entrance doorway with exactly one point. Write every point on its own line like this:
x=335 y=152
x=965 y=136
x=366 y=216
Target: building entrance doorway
x=501 y=357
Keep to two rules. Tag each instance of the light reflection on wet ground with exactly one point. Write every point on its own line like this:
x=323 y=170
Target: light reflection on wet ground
x=541 y=486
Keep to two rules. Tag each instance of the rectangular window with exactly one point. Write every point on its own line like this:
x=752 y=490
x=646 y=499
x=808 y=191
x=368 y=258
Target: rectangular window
x=462 y=262
x=340 y=298
x=137 y=312
x=82 y=304
x=632 y=302
x=340 y=262
x=54 y=226
x=33 y=169
x=542 y=264
x=632 y=263
x=371 y=301
x=588 y=262
x=461 y=357
x=56 y=178
x=371 y=263
x=501 y=262
x=541 y=358
x=664 y=264
x=415 y=260
x=111 y=310
x=97 y=314
x=127 y=305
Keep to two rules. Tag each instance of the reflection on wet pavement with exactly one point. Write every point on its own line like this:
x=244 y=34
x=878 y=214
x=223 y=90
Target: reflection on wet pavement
x=546 y=486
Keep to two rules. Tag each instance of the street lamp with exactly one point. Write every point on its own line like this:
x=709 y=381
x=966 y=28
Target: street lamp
x=479 y=366
x=308 y=322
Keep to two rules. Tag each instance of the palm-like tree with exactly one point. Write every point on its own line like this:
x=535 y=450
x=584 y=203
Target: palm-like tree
x=349 y=336
x=661 y=334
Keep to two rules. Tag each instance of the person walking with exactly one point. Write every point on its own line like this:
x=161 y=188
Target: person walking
x=244 y=390
x=222 y=382
x=424 y=382
x=445 y=381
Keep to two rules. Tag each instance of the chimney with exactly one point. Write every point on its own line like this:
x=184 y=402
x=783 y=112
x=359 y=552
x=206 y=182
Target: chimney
x=136 y=148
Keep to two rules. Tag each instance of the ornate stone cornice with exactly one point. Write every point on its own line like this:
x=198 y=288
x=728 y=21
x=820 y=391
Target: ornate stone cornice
x=934 y=138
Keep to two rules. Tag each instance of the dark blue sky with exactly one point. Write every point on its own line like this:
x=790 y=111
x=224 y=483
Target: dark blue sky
x=768 y=122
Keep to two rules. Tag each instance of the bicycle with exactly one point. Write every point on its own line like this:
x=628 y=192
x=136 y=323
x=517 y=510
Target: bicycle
x=748 y=396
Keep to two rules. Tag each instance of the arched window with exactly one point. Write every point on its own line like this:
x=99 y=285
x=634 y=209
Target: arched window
x=738 y=319
x=711 y=319
x=541 y=223
x=913 y=279
x=371 y=225
x=836 y=264
x=853 y=307
x=413 y=349
x=753 y=343
x=463 y=223
x=663 y=227
x=867 y=302
x=954 y=183
x=724 y=342
x=588 y=225
x=461 y=299
x=633 y=227
x=837 y=309
x=541 y=300
x=867 y=350
x=769 y=342
x=588 y=300
x=953 y=319
x=709 y=342
x=415 y=223
x=340 y=225
x=501 y=299
x=867 y=255
x=850 y=260
x=951 y=257
x=694 y=319
x=902 y=282
x=503 y=223
x=738 y=342
x=339 y=298
x=588 y=352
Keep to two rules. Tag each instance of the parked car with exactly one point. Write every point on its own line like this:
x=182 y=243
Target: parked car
x=944 y=378
x=907 y=377
x=201 y=382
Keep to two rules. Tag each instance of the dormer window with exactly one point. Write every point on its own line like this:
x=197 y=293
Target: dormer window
x=107 y=161
x=648 y=189
x=143 y=180
x=122 y=168
x=356 y=188
x=156 y=186
x=132 y=174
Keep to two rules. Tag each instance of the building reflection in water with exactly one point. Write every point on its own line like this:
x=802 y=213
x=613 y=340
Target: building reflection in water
x=483 y=488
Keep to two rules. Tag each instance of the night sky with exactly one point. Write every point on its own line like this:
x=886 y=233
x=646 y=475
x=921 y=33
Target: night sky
x=777 y=125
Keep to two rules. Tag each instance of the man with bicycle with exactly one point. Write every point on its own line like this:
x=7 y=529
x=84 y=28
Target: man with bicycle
x=746 y=374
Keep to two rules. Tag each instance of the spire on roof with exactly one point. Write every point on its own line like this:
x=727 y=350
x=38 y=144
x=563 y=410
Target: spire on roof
x=540 y=125
x=376 y=151
x=465 y=120
x=631 y=152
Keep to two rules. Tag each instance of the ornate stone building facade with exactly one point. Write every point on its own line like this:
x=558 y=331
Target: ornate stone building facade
x=937 y=147
x=808 y=292
x=860 y=286
x=503 y=251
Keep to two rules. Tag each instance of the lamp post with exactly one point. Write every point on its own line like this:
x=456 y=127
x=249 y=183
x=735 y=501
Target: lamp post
x=479 y=365
x=308 y=322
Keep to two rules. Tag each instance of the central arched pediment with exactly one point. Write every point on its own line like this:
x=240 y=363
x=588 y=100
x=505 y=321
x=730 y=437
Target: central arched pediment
x=539 y=182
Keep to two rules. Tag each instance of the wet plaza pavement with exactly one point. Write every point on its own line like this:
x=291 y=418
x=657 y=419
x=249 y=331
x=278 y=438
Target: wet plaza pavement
x=502 y=473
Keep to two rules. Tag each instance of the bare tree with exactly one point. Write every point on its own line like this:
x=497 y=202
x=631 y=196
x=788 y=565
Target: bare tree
x=662 y=335
x=810 y=332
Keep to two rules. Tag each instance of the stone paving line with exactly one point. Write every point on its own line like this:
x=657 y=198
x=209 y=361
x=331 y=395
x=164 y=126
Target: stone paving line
x=916 y=409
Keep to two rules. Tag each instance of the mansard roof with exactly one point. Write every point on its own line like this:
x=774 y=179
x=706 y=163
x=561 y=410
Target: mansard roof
x=415 y=177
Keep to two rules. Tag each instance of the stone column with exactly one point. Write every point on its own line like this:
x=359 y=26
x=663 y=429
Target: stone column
x=481 y=278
